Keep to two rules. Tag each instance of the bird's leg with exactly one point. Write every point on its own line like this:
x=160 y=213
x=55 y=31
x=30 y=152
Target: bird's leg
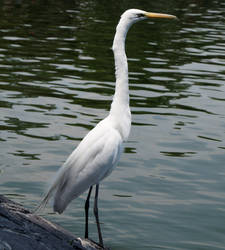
x=96 y=216
x=86 y=212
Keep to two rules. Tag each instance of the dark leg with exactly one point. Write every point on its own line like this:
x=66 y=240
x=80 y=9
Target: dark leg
x=86 y=213
x=96 y=216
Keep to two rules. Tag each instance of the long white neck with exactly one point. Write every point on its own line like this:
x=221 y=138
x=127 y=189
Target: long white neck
x=122 y=89
x=120 y=109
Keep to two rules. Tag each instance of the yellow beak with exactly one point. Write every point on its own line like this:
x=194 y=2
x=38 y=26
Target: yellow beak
x=159 y=15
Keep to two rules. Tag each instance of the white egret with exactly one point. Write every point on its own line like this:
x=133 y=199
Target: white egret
x=99 y=151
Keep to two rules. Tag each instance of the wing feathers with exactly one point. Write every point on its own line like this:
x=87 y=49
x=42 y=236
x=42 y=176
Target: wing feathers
x=93 y=160
x=97 y=162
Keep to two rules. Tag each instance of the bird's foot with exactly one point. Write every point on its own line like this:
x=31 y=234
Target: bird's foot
x=91 y=244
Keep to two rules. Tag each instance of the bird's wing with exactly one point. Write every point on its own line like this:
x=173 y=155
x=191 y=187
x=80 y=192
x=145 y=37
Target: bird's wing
x=93 y=159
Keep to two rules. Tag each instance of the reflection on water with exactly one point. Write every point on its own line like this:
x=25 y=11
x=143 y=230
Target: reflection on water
x=57 y=82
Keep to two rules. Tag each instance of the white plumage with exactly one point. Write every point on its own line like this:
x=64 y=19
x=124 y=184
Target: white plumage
x=99 y=152
x=93 y=163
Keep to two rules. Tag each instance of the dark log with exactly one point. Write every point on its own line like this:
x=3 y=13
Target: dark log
x=20 y=229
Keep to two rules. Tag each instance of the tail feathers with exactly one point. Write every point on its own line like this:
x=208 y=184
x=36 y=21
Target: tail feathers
x=60 y=177
x=45 y=200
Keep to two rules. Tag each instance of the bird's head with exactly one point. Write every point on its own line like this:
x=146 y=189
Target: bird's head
x=130 y=17
x=135 y=15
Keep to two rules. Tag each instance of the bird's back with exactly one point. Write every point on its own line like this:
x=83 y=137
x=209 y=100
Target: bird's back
x=93 y=160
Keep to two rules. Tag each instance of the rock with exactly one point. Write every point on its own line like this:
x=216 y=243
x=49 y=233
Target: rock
x=20 y=229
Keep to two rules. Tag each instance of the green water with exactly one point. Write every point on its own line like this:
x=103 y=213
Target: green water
x=57 y=82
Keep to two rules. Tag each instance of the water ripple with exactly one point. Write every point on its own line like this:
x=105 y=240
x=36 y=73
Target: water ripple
x=57 y=81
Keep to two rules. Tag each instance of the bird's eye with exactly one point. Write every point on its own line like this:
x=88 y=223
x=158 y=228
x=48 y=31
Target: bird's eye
x=140 y=15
